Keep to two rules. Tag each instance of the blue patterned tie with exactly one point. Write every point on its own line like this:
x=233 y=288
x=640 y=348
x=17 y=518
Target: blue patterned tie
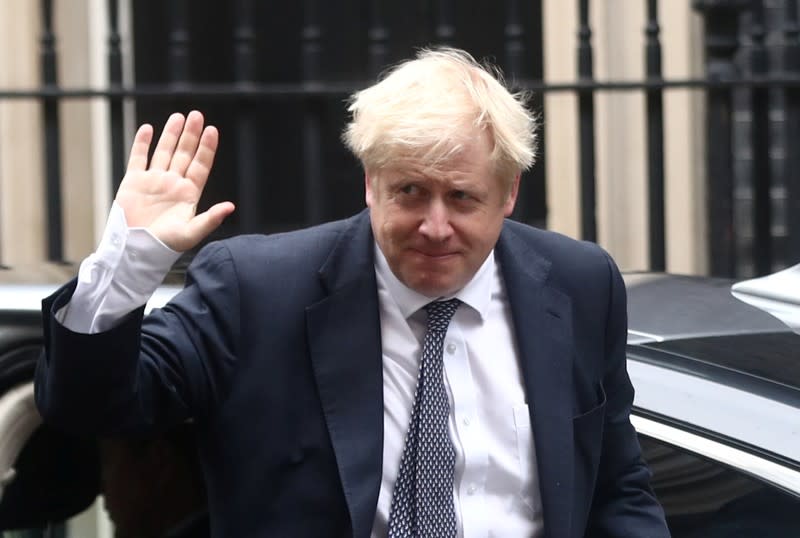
x=422 y=503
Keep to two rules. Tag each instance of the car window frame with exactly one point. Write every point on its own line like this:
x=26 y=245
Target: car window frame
x=755 y=465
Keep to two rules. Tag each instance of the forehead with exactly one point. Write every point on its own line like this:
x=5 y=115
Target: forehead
x=470 y=161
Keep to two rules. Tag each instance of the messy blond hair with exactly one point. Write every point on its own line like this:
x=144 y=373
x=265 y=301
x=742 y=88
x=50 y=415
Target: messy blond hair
x=427 y=109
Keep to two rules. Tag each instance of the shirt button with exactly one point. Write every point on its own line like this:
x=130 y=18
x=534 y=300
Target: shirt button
x=472 y=489
x=465 y=420
x=133 y=255
x=451 y=348
x=115 y=240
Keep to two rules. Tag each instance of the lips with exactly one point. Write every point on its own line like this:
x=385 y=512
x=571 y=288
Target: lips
x=434 y=254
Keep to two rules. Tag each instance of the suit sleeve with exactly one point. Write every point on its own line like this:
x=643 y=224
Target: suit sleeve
x=144 y=375
x=623 y=504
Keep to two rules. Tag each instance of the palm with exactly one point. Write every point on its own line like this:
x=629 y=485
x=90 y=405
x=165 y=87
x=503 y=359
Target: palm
x=163 y=196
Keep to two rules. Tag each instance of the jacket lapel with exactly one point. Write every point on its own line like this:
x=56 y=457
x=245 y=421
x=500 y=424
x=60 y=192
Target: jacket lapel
x=345 y=345
x=543 y=328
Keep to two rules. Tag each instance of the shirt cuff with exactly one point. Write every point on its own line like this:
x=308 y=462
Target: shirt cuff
x=127 y=267
x=144 y=262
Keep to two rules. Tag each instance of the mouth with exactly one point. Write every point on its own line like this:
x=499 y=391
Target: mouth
x=434 y=255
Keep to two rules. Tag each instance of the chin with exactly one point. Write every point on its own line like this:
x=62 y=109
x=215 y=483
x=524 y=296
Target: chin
x=431 y=283
x=434 y=290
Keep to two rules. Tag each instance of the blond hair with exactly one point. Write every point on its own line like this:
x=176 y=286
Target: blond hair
x=428 y=108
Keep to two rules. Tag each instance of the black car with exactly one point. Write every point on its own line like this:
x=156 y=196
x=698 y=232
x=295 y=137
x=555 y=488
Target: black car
x=717 y=409
x=717 y=406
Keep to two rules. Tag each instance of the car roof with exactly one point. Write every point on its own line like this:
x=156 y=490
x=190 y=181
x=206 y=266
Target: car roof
x=700 y=356
x=669 y=307
x=698 y=325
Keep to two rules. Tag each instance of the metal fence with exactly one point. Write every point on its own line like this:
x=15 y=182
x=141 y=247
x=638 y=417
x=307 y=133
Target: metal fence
x=752 y=58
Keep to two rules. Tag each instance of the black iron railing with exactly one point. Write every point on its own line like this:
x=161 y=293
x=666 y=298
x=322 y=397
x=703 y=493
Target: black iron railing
x=655 y=142
x=739 y=61
x=586 y=121
x=789 y=65
x=52 y=138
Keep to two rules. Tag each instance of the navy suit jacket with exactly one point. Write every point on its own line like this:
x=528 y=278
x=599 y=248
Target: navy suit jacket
x=274 y=349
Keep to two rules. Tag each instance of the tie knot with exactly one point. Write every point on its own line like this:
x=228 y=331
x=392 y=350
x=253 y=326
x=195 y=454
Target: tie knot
x=440 y=313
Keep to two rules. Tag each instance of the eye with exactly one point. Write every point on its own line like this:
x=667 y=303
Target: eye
x=461 y=195
x=409 y=189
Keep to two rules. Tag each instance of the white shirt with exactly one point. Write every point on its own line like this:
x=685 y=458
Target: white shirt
x=119 y=277
x=496 y=482
x=496 y=488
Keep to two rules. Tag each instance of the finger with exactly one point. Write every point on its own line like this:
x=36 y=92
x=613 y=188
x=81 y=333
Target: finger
x=141 y=145
x=200 y=166
x=187 y=144
x=203 y=224
x=166 y=142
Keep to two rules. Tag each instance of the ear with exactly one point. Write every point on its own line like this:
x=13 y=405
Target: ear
x=511 y=201
x=369 y=194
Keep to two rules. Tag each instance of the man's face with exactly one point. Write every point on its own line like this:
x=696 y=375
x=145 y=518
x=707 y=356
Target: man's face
x=437 y=226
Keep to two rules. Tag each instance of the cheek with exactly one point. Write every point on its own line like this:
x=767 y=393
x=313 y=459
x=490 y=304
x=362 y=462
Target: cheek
x=397 y=225
x=473 y=225
x=482 y=232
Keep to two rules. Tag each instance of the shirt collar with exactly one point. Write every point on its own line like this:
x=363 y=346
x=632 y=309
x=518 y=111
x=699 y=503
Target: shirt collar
x=477 y=293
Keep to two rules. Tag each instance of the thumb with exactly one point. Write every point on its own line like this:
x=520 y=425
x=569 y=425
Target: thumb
x=203 y=224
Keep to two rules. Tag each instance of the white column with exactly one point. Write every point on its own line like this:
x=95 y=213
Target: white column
x=620 y=132
x=684 y=139
x=81 y=33
x=22 y=209
x=561 y=119
x=99 y=127
x=620 y=140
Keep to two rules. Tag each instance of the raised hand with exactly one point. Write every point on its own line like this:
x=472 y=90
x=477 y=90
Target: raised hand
x=163 y=196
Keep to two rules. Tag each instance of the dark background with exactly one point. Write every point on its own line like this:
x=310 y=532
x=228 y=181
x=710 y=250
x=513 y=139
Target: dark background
x=279 y=159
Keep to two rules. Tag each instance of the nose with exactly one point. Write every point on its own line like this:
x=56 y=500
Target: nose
x=435 y=224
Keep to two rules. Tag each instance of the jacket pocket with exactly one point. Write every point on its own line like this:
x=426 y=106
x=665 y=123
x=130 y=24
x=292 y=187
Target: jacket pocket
x=589 y=424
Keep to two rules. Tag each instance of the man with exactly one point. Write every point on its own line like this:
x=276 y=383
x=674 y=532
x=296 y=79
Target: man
x=153 y=486
x=424 y=368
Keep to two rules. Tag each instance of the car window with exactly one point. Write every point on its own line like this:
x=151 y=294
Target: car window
x=703 y=498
